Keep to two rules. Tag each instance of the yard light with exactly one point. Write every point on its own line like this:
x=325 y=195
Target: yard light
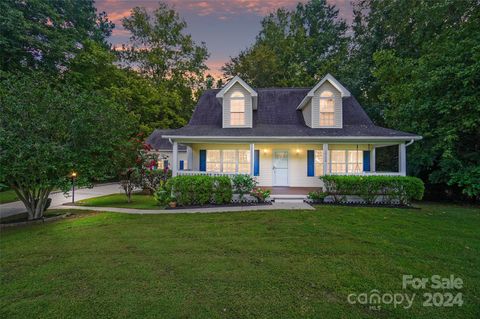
x=73 y=176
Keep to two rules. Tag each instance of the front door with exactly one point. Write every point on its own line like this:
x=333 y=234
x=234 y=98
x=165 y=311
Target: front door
x=280 y=168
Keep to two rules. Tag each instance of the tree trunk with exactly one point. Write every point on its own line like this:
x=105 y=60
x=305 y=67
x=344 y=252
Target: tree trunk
x=35 y=200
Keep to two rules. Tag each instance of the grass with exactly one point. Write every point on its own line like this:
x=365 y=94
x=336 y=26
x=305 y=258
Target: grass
x=275 y=264
x=120 y=200
x=8 y=196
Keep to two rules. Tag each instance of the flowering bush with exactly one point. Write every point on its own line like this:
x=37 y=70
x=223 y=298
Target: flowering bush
x=260 y=193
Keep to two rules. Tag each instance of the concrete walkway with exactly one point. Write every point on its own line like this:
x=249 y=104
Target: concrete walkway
x=59 y=198
x=293 y=205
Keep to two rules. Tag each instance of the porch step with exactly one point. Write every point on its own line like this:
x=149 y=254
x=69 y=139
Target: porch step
x=288 y=198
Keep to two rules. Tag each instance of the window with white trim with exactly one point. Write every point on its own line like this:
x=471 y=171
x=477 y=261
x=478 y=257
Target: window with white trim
x=327 y=109
x=318 y=162
x=228 y=161
x=214 y=161
x=244 y=161
x=355 y=162
x=237 y=109
x=344 y=162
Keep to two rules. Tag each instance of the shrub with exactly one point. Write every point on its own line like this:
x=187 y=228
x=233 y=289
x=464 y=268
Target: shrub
x=153 y=179
x=317 y=196
x=402 y=189
x=200 y=189
x=243 y=184
x=260 y=194
x=222 y=190
x=162 y=196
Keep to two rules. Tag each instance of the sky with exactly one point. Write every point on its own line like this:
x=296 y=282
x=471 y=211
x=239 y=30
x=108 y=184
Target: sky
x=226 y=26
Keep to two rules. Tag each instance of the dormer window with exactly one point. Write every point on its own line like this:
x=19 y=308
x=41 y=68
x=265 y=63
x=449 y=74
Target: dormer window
x=237 y=109
x=327 y=109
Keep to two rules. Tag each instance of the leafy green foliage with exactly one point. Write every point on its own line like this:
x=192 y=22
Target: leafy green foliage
x=51 y=128
x=435 y=93
x=402 y=189
x=261 y=194
x=318 y=196
x=41 y=34
x=294 y=48
x=243 y=184
x=200 y=189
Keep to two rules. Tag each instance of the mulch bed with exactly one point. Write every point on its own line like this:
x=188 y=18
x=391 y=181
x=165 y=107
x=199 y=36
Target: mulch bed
x=238 y=204
x=358 y=204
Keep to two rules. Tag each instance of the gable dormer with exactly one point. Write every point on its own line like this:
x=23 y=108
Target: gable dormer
x=322 y=107
x=238 y=102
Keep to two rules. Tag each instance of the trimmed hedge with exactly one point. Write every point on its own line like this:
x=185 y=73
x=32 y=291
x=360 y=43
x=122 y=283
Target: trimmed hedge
x=401 y=189
x=189 y=190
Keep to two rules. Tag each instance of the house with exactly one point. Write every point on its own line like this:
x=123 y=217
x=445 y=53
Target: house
x=164 y=149
x=282 y=136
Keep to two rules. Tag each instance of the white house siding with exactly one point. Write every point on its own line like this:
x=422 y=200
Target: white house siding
x=315 y=105
x=297 y=162
x=226 y=106
x=182 y=156
x=307 y=114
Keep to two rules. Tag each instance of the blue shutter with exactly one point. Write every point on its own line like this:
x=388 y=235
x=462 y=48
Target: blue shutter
x=256 y=163
x=203 y=160
x=366 y=161
x=165 y=164
x=310 y=163
x=181 y=165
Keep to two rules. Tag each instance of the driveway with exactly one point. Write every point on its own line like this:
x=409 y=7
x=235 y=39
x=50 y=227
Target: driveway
x=58 y=199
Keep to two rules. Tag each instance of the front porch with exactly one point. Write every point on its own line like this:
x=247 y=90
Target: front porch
x=285 y=167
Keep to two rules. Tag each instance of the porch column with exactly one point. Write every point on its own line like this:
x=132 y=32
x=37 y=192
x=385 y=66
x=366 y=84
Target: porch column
x=402 y=159
x=189 y=158
x=252 y=159
x=373 y=159
x=325 y=159
x=175 y=159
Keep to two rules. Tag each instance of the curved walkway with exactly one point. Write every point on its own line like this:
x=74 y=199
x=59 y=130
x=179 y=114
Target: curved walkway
x=284 y=205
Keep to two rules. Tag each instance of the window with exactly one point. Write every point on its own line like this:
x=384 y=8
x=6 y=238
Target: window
x=237 y=109
x=338 y=164
x=355 y=161
x=228 y=161
x=327 y=109
x=318 y=163
x=244 y=161
x=160 y=165
x=213 y=161
x=343 y=162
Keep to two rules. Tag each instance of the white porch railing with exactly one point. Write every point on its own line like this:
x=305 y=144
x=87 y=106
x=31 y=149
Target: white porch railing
x=193 y=173
x=370 y=174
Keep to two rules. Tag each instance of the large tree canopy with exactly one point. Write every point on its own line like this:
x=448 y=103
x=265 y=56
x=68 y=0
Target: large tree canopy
x=294 y=48
x=172 y=64
x=48 y=129
x=46 y=34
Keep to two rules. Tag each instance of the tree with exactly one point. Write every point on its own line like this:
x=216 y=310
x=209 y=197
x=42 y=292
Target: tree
x=161 y=51
x=435 y=93
x=46 y=34
x=50 y=128
x=294 y=48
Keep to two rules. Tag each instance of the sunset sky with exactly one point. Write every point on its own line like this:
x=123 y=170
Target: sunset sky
x=226 y=26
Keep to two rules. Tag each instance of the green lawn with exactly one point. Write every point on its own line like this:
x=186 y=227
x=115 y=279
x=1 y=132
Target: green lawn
x=271 y=264
x=8 y=196
x=120 y=200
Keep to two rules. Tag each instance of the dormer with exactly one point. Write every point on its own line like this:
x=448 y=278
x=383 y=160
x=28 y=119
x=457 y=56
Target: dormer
x=322 y=106
x=238 y=102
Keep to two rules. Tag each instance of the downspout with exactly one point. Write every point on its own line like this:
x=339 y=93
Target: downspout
x=410 y=143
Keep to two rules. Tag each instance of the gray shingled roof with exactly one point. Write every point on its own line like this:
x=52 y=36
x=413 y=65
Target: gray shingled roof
x=159 y=143
x=277 y=115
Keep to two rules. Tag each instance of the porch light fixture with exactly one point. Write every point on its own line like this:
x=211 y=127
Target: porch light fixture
x=298 y=151
x=265 y=151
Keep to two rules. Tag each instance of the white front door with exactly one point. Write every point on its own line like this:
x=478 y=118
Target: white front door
x=280 y=168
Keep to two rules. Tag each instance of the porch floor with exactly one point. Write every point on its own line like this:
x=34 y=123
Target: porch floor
x=285 y=190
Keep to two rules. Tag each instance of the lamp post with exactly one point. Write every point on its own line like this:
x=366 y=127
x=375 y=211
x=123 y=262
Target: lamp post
x=74 y=175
